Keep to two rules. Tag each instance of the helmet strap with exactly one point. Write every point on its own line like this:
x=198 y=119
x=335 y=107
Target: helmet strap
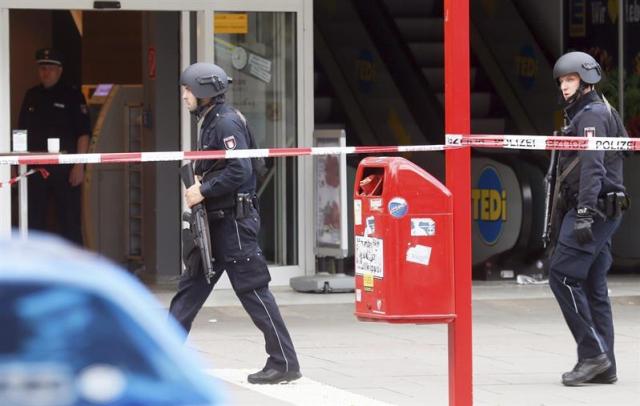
x=576 y=95
x=203 y=107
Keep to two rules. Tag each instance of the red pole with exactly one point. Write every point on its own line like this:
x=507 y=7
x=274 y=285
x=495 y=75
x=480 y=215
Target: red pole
x=458 y=179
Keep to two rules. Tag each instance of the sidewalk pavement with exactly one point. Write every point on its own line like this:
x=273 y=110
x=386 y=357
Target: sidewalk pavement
x=521 y=346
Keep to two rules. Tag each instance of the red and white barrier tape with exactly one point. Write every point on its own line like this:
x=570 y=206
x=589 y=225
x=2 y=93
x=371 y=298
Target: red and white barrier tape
x=42 y=171
x=537 y=142
x=48 y=159
x=530 y=142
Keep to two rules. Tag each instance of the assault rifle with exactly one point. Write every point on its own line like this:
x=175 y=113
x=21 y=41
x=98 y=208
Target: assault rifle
x=549 y=196
x=199 y=225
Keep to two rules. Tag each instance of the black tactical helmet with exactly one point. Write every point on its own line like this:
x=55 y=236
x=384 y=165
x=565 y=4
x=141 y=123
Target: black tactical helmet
x=205 y=80
x=581 y=63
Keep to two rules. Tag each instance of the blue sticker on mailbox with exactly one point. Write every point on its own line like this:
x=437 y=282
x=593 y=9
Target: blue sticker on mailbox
x=398 y=207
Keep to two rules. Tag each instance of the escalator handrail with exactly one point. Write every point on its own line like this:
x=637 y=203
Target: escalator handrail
x=424 y=106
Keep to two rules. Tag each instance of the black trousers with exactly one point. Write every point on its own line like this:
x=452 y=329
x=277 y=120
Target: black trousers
x=578 y=279
x=67 y=201
x=259 y=303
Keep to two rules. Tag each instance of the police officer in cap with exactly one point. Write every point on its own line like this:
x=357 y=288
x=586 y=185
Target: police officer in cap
x=227 y=188
x=56 y=110
x=593 y=195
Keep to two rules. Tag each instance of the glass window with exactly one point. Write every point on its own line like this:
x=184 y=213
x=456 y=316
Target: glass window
x=258 y=50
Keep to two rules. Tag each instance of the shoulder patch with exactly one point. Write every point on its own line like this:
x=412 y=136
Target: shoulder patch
x=589 y=132
x=230 y=142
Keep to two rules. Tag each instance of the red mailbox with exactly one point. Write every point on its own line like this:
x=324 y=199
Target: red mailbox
x=403 y=219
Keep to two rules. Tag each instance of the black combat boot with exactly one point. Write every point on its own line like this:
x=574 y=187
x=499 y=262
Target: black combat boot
x=586 y=370
x=272 y=376
x=606 y=377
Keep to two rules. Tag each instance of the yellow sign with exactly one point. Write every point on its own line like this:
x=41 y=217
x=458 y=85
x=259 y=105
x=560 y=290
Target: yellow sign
x=228 y=23
x=489 y=204
x=367 y=281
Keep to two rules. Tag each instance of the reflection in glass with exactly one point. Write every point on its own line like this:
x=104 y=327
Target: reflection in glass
x=258 y=50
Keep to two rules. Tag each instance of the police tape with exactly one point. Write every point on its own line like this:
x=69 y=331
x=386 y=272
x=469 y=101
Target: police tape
x=452 y=141
x=537 y=142
x=41 y=171
x=131 y=157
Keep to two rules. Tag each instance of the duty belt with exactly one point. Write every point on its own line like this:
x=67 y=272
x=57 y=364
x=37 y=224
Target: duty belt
x=610 y=205
x=243 y=204
x=613 y=204
x=219 y=213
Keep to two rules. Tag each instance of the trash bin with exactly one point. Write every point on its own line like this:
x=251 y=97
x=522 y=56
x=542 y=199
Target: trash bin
x=403 y=227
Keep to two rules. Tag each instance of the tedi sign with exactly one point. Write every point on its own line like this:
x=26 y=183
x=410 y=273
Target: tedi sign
x=489 y=204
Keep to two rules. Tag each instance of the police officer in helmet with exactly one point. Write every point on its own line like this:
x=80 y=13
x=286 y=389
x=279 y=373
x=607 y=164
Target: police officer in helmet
x=227 y=188
x=593 y=197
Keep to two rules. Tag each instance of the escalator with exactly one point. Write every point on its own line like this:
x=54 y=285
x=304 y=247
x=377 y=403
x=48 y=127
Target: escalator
x=386 y=55
x=384 y=63
x=374 y=104
x=419 y=24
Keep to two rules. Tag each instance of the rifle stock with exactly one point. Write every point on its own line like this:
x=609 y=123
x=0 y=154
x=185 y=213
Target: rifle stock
x=199 y=225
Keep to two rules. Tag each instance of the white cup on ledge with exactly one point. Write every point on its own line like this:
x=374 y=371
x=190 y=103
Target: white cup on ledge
x=19 y=140
x=53 y=145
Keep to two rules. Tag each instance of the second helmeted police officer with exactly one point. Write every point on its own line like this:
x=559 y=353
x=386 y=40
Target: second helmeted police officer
x=593 y=196
x=227 y=188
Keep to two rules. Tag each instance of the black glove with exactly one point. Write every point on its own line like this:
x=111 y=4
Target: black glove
x=582 y=226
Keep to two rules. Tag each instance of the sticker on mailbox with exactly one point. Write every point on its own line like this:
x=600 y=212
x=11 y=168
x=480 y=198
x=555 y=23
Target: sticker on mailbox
x=378 y=309
x=357 y=211
x=420 y=254
x=375 y=204
x=368 y=256
x=369 y=226
x=423 y=227
x=367 y=281
x=398 y=207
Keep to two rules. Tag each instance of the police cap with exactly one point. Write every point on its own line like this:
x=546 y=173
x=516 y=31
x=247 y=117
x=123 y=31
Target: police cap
x=49 y=56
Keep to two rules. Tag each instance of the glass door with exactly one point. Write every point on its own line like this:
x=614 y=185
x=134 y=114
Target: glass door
x=261 y=45
x=258 y=50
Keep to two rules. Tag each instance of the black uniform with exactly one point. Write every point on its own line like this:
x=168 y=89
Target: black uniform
x=579 y=267
x=234 y=237
x=56 y=112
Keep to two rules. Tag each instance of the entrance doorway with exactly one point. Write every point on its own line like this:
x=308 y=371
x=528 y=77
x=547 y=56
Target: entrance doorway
x=130 y=212
x=265 y=54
